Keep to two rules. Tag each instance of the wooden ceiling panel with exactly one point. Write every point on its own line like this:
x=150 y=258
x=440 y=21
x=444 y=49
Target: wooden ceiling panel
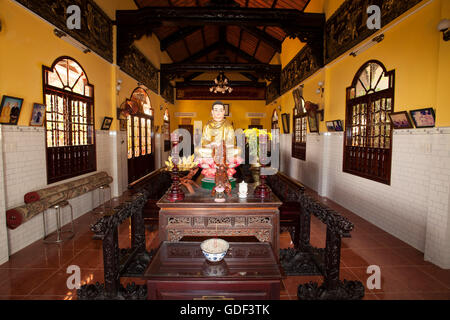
x=163 y=32
x=260 y=3
x=183 y=3
x=152 y=3
x=233 y=35
x=211 y=34
x=248 y=43
x=178 y=51
x=195 y=41
x=276 y=33
x=292 y=4
x=264 y=53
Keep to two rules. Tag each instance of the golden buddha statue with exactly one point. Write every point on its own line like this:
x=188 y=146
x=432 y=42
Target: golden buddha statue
x=217 y=130
x=218 y=134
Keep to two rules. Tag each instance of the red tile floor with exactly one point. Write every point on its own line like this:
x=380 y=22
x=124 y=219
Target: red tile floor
x=38 y=272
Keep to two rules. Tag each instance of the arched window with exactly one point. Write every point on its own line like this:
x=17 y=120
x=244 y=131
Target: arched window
x=140 y=135
x=368 y=139
x=300 y=122
x=69 y=123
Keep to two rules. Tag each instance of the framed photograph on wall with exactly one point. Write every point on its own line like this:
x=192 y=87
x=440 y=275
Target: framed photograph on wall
x=423 y=118
x=330 y=126
x=338 y=125
x=285 y=122
x=10 y=110
x=123 y=124
x=226 y=106
x=400 y=120
x=313 y=123
x=106 y=123
x=37 y=115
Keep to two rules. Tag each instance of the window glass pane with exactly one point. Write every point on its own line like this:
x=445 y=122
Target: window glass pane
x=149 y=136
x=136 y=137
x=61 y=69
x=143 y=142
x=54 y=80
x=130 y=137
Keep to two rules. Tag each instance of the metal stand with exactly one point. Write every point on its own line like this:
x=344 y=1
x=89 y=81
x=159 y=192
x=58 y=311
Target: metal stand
x=59 y=232
x=103 y=189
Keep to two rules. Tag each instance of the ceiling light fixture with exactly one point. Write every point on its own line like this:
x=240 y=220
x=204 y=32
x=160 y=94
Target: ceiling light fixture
x=222 y=83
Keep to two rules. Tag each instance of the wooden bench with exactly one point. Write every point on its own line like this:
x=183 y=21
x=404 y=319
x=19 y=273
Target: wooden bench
x=156 y=185
x=117 y=263
x=305 y=259
x=288 y=191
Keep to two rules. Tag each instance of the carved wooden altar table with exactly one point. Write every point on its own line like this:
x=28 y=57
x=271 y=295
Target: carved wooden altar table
x=199 y=215
x=179 y=270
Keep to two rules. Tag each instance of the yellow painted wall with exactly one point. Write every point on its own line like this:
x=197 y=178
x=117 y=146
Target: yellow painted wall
x=238 y=109
x=28 y=42
x=413 y=48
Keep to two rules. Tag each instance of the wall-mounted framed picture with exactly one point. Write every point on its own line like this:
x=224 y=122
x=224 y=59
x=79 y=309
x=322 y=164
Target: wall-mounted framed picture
x=330 y=126
x=37 y=115
x=226 y=106
x=10 y=110
x=338 y=125
x=400 y=120
x=285 y=122
x=106 y=123
x=123 y=124
x=313 y=123
x=423 y=118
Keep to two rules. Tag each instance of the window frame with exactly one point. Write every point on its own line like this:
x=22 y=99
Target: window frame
x=70 y=156
x=299 y=147
x=141 y=163
x=364 y=160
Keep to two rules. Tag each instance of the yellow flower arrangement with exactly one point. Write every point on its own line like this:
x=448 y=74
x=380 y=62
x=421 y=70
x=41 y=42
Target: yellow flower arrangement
x=184 y=163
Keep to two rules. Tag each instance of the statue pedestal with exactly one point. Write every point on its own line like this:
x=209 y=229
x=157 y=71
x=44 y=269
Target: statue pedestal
x=209 y=183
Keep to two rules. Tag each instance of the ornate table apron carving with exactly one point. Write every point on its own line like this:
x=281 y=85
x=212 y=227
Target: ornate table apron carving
x=177 y=223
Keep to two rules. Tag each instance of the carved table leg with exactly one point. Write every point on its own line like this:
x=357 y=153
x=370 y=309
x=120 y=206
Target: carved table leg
x=111 y=264
x=305 y=230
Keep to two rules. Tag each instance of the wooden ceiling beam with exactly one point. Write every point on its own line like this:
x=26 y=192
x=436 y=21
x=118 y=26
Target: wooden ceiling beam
x=192 y=16
x=177 y=36
x=262 y=70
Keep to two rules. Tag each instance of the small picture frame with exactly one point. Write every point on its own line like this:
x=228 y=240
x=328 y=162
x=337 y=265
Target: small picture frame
x=285 y=121
x=330 y=126
x=226 y=107
x=123 y=124
x=313 y=123
x=423 y=118
x=10 y=110
x=338 y=125
x=400 y=120
x=37 y=115
x=106 y=123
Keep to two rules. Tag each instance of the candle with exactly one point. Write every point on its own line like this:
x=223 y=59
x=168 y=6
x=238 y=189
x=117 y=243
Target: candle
x=243 y=188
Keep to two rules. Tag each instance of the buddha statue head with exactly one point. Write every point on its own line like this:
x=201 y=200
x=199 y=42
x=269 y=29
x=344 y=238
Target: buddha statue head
x=218 y=111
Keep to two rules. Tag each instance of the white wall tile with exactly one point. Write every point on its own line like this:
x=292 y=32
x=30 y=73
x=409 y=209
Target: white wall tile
x=414 y=208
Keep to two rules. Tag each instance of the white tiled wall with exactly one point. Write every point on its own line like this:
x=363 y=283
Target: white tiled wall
x=24 y=160
x=414 y=208
x=3 y=231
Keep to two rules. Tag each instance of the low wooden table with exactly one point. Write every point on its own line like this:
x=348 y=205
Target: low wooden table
x=179 y=270
x=198 y=215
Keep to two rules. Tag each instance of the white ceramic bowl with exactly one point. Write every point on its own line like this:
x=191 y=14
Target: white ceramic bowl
x=214 y=249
